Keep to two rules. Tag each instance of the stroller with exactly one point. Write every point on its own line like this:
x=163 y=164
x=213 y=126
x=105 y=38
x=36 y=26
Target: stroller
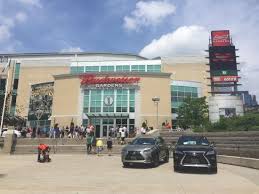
x=43 y=153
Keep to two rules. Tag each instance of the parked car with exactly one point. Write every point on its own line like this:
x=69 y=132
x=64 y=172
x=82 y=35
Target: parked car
x=16 y=132
x=196 y=152
x=145 y=150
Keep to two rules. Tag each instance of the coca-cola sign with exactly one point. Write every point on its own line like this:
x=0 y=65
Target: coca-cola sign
x=88 y=79
x=225 y=78
x=220 y=38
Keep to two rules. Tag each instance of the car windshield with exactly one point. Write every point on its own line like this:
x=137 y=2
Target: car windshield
x=143 y=141
x=192 y=140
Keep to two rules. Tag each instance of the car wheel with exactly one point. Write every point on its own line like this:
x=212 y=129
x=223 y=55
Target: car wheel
x=125 y=164
x=214 y=170
x=155 y=161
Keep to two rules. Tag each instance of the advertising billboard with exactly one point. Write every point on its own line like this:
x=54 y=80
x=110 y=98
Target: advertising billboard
x=220 y=38
x=222 y=58
x=224 y=78
x=40 y=107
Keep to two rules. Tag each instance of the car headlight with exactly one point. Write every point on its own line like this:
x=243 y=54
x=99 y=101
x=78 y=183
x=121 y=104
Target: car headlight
x=147 y=150
x=178 y=152
x=211 y=152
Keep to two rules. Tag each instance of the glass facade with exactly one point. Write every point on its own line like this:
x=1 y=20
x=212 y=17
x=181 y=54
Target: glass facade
x=179 y=93
x=115 y=68
x=109 y=108
x=15 y=87
x=109 y=101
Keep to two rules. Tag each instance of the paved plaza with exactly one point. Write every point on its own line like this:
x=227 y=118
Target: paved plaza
x=78 y=174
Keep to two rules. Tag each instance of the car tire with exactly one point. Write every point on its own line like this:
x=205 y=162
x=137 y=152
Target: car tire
x=214 y=170
x=125 y=164
x=155 y=162
x=176 y=169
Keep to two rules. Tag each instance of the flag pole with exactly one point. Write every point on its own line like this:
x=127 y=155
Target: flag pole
x=5 y=97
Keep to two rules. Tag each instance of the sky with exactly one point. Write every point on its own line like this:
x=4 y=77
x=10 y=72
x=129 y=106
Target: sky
x=150 y=28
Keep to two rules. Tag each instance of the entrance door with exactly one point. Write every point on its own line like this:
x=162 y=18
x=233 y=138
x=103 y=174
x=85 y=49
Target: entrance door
x=107 y=130
x=107 y=125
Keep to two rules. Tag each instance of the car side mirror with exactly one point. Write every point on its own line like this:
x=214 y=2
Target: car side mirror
x=212 y=144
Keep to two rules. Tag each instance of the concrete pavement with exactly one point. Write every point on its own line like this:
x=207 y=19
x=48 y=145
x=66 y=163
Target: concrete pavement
x=77 y=174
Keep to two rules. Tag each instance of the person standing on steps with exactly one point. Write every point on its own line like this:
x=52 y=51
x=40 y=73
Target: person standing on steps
x=109 y=145
x=89 y=140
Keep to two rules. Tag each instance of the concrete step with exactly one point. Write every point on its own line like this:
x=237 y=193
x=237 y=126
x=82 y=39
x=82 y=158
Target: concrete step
x=60 y=141
x=71 y=149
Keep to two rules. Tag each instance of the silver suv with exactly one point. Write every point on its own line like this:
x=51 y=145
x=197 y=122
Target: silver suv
x=146 y=150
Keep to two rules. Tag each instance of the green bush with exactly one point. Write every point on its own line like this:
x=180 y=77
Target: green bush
x=248 y=122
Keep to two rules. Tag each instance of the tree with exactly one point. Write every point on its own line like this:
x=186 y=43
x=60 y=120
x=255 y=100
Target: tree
x=193 y=113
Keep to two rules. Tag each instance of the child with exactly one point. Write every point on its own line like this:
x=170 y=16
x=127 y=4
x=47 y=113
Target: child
x=99 y=145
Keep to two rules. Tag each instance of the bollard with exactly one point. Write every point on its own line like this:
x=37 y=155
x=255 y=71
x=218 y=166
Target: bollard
x=9 y=141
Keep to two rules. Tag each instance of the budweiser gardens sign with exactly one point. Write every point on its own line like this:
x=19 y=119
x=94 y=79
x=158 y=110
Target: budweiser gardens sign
x=110 y=82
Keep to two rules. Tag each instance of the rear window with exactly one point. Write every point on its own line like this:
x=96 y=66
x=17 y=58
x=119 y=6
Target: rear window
x=144 y=141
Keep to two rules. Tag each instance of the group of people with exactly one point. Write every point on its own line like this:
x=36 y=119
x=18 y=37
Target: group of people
x=96 y=146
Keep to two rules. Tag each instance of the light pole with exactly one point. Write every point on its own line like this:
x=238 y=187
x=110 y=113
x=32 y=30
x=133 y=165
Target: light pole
x=156 y=101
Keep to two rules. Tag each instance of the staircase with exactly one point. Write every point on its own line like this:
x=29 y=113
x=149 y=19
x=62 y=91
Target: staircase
x=59 y=146
x=244 y=144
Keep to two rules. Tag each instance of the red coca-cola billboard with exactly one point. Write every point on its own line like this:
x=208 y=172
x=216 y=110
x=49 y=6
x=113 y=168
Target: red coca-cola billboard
x=225 y=79
x=92 y=79
x=220 y=38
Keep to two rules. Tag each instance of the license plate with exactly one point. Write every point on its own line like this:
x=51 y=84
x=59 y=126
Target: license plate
x=194 y=160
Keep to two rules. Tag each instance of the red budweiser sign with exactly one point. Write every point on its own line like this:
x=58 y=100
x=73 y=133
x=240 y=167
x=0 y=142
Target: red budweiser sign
x=92 y=79
x=225 y=78
x=220 y=38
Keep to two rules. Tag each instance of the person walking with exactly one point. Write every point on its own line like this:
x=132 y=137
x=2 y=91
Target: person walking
x=89 y=140
x=109 y=145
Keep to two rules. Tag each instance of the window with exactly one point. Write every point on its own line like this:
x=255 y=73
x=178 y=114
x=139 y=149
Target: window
x=154 y=68
x=179 y=93
x=122 y=68
x=17 y=71
x=76 y=70
x=107 y=68
x=108 y=100
x=95 y=102
x=132 y=100
x=91 y=68
x=122 y=100
x=86 y=101
x=138 y=68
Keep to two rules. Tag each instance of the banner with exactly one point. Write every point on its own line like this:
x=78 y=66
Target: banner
x=225 y=79
x=220 y=38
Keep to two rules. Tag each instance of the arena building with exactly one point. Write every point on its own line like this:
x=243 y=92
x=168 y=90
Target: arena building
x=104 y=89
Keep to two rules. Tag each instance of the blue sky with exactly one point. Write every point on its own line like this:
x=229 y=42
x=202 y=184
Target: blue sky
x=150 y=28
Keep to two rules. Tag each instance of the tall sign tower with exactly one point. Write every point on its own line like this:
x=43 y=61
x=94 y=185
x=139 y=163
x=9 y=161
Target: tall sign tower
x=224 y=100
x=223 y=64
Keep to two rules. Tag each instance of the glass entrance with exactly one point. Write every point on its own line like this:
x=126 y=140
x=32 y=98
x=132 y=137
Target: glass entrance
x=107 y=126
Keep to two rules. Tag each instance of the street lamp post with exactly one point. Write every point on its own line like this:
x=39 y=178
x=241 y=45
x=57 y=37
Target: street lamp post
x=156 y=101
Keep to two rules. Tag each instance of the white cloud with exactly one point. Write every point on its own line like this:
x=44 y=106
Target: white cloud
x=35 y=3
x=72 y=49
x=5 y=33
x=148 y=13
x=21 y=17
x=185 y=40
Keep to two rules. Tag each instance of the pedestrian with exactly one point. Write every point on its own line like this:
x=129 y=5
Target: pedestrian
x=99 y=145
x=89 y=140
x=109 y=145
x=123 y=135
